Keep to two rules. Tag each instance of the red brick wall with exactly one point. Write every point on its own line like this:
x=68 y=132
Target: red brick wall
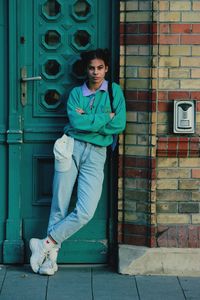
x=136 y=162
x=177 y=77
x=159 y=201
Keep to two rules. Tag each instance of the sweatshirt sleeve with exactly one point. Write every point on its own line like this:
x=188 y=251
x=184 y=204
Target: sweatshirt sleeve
x=84 y=122
x=118 y=123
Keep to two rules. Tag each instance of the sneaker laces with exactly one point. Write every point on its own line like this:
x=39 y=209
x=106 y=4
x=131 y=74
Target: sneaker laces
x=44 y=256
x=48 y=263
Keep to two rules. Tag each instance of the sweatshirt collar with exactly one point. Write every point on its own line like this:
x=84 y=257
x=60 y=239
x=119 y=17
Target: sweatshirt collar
x=87 y=92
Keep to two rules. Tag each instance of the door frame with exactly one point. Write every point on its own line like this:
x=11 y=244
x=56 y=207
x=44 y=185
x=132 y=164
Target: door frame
x=13 y=245
x=113 y=157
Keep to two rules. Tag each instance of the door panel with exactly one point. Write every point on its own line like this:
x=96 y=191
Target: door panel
x=3 y=121
x=51 y=36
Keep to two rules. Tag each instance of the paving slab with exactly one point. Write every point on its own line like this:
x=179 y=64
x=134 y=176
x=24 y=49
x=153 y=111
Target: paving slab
x=93 y=283
x=159 y=288
x=22 y=284
x=2 y=276
x=70 y=284
x=191 y=287
x=108 y=285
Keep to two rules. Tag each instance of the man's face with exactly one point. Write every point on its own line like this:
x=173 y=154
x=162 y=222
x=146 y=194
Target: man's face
x=96 y=71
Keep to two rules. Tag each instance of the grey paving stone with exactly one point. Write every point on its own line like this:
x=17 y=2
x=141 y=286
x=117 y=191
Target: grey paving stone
x=2 y=276
x=108 y=285
x=90 y=283
x=191 y=287
x=159 y=288
x=22 y=284
x=70 y=284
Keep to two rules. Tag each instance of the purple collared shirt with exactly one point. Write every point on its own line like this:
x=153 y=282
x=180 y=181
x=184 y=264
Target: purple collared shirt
x=88 y=92
x=91 y=94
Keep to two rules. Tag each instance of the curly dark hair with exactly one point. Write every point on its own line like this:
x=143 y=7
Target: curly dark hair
x=99 y=53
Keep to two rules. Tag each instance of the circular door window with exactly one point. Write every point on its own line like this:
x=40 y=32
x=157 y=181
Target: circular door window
x=51 y=9
x=81 y=39
x=81 y=9
x=52 y=98
x=52 y=38
x=52 y=67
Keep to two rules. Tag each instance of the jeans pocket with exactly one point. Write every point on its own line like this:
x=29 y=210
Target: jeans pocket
x=99 y=154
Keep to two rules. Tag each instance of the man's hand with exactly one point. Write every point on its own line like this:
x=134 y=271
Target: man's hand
x=112 y=115
x=80 y=111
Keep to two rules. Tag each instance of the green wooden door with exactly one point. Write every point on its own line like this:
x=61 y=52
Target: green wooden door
x=49 y=37
x=60 y=30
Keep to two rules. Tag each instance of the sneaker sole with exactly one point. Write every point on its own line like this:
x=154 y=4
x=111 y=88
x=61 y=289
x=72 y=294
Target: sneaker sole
x=48 y=272
x=32 y=247
x=43 y=272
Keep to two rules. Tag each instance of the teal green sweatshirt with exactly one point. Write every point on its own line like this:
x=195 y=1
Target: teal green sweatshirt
x=95 y=125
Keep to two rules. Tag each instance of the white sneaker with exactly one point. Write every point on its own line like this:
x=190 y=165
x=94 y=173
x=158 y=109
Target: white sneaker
x=49 y=267
x=38 y=254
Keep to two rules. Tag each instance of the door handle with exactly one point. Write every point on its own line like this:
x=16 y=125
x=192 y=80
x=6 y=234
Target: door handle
x=24 y=80
x=31 y=78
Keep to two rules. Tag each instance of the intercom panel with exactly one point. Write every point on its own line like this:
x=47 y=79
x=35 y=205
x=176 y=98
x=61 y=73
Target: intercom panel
x=184 y=116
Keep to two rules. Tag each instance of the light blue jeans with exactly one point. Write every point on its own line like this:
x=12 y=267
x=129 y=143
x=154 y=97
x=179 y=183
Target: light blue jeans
x=88 y=164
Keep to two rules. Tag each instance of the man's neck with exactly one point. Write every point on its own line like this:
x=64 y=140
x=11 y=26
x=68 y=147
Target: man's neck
x=94 y=87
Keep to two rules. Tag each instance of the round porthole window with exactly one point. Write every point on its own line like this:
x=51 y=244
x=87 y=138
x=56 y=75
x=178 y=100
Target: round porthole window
x=52 y=8
x=82 y=8
x=52 y=97
x=52 y=67
x=81 y=38
x=52 y=38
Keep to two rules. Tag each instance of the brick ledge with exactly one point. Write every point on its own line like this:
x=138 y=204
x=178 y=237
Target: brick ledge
x=178 y=146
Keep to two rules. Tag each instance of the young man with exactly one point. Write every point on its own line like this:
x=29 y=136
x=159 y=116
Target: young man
x=81 y=153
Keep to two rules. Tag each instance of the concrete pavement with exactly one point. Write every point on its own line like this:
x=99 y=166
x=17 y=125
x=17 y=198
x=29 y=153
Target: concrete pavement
x=93 y=283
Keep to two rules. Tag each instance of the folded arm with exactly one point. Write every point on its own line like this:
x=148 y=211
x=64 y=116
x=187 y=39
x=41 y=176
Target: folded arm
x=81 y=121
x=118 y=122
